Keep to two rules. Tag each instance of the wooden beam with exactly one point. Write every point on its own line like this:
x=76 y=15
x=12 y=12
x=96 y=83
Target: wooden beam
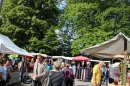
x=125 y=61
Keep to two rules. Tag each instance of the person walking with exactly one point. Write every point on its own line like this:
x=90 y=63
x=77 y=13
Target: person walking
x=73 y=67
x=38 y=71
x=7 y=69
x=103 y=74
x=69 y=76
x=56 y=76
x=107 y=75
x=30 y=66
x=49 y=65
x=23 y=68
x=2 y=74
x=96 y=78
x=13 y=62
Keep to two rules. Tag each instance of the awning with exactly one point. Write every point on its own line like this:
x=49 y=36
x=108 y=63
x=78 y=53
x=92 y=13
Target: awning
x=44 y=55
x=109 y=49
x=8 y=47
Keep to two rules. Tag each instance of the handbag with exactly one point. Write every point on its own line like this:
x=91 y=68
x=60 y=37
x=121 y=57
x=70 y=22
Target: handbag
x=27 y=80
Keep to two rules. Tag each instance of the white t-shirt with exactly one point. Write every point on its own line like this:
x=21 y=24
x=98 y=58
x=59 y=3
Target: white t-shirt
x=114 y=70
x=3 y=72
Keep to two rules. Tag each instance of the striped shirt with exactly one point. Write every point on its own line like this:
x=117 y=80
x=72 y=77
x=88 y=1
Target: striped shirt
x=57 y=78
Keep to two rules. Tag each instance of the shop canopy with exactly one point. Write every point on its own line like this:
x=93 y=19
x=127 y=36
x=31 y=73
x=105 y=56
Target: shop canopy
x=34 y=54
x=61 y=57
x=115 y=47
x=67 y=58
x=8 y=47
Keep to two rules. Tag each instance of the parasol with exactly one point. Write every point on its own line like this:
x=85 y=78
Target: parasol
x=81 y=58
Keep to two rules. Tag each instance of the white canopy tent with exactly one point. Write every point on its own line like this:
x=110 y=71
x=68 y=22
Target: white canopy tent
x=67 y=58
x=109 y=49
x=38 y=54
x=56 y=57
x=119 y=46
x=8 y=47
x=61 y=57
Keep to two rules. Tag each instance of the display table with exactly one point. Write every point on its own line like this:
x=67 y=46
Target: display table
x=14 y=78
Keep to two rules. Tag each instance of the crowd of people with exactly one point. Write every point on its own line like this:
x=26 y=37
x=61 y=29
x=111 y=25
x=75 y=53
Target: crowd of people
x=106 y=74
x=59 y=72
x=5 y=69
x=38 y=69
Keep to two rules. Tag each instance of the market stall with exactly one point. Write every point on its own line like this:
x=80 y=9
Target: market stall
x=119 y=46
x=8 y=47
x=83 y=72
x=34 y=54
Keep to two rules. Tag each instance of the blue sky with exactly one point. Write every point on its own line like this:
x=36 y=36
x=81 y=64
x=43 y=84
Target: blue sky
x=62 y=5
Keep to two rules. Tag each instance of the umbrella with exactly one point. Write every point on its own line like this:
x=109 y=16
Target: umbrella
x=80 y=58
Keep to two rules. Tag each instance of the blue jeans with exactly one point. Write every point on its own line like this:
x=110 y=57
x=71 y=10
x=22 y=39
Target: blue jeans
x=107 y=81
x=104 y=79
x=21 y=73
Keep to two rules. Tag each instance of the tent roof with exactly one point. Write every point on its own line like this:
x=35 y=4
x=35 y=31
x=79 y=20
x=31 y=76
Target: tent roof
x=7 y=46
x=67 y=58
x=38 y=54
x=56 y=57
x=62 y=57
x=109 y=49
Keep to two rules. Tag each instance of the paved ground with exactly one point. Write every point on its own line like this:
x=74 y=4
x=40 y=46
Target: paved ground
x=81 y=83
x=77 y=83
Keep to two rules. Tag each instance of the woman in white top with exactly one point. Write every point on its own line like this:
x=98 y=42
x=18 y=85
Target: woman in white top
x=2 y=74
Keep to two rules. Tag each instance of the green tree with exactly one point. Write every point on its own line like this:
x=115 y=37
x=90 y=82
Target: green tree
x=95 y=21
x=31 y=24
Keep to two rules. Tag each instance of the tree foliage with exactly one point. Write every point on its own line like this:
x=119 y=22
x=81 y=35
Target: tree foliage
x=95 y=21
x=35 y=25
x=31 y=24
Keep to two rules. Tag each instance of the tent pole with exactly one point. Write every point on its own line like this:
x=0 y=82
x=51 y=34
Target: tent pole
x=125 y=61
x=125 y=65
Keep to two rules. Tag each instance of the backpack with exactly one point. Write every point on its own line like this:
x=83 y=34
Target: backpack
x=47 y=81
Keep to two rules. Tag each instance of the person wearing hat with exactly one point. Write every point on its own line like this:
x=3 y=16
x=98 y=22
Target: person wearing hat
x=56 y=77
x=96 y=78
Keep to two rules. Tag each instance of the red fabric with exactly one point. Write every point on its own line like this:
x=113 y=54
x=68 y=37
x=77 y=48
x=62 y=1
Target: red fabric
x=80 y=58
x=29 y=57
